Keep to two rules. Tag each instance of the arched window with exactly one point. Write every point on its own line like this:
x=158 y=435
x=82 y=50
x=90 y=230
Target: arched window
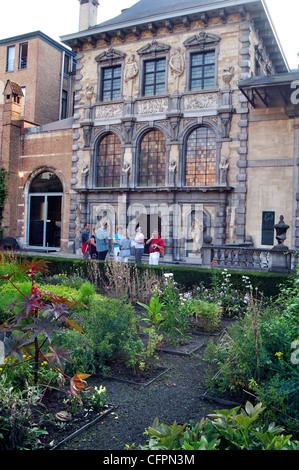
x=108 y=162
x=152 y=159
x=46 y=182
x=201 y=158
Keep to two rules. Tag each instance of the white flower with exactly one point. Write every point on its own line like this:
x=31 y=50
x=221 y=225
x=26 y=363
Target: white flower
x=168 y=275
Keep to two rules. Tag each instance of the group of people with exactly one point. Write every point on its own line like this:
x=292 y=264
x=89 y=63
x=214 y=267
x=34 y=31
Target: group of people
x=96 y=246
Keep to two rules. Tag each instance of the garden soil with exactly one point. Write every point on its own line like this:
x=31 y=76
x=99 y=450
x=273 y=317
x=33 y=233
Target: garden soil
x=175 y=395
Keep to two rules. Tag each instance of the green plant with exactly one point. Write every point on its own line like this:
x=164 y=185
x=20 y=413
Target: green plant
x=175 y=318
x=207 y=314
x=99 y=398
x=153 y=314
x=17 y=432
x=235 y=429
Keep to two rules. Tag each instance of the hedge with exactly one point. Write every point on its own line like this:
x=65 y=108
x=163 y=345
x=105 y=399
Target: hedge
x=187 y=276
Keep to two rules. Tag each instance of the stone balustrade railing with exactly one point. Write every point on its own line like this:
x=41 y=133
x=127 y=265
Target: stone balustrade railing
x=249 y=258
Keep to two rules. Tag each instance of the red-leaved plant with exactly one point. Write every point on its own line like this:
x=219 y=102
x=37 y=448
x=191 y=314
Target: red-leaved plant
x=29 y=332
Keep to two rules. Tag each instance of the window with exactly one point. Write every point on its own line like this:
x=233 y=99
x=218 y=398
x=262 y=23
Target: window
x=108 y=162
x=202 y=74
x=23 y=54
x=152 y=159
x=10 y=58
x=64 y=104
x=23 y=100
x=111 y=83
x=202 y=55
x=201 y=158
x=154 y=77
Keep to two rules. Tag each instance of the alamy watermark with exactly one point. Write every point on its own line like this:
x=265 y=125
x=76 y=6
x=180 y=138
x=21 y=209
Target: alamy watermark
x=295 y=354
x=295 y=94
x=2 y=352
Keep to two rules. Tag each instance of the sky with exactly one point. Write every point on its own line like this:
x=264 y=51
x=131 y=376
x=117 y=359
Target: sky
x=57 y=18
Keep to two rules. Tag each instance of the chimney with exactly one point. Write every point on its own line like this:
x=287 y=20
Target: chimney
x=88 y=16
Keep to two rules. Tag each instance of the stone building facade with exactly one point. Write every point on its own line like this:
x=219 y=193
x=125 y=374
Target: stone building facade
x=170 y=132
x=161 y=128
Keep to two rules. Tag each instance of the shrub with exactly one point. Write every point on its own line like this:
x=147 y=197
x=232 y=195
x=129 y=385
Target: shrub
x=236 y=429
x=255 y=356
x=207 y=314
x=107 y=326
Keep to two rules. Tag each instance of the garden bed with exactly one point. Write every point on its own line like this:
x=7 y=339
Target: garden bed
x=61 y=428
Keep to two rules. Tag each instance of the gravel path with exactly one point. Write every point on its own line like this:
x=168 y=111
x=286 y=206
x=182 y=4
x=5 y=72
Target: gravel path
x=174 y=396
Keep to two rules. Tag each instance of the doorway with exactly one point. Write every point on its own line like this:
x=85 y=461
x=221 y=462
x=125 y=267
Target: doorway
x=45 y=202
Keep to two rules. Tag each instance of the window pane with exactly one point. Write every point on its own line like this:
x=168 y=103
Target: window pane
x=111 y=83
x=108 y=162
x=202 y=71
x=152 y=159
x=154 y=77
x=201 y=158
x=10 y=58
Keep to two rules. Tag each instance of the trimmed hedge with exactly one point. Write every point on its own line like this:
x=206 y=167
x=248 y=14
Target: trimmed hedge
x=187 y=276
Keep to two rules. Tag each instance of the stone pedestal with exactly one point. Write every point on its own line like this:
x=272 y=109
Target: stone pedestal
x=279 y=261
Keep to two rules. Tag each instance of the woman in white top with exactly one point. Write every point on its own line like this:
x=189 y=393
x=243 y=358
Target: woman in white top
x=139 y=245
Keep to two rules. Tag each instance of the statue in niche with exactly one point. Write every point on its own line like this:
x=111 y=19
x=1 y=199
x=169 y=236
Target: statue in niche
x=89 y=94
x=84 y=175
x=131 y=71
x=177 y=65
x=224 y=170
x=172 y=172
x=196 y=233
x=125 y=174
x=86 y=135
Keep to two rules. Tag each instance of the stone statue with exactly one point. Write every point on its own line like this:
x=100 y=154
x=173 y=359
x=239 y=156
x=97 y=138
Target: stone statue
x=224 y=169
x=172 y=172
x=125 y=173
x=196 y=233
x=177 y=64
x=84 y=175
x=131 y=71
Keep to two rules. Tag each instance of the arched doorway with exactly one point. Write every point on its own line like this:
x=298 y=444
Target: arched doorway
x=45 y=201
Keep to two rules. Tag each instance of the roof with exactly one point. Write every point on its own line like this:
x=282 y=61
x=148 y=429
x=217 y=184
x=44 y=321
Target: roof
x=15 y=88
x=160 y=13
x=271 y=90
x=159 y=8
x=33 y=35
x=270 y=80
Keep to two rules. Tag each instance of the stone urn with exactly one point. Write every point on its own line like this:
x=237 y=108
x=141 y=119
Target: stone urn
x=281 y=234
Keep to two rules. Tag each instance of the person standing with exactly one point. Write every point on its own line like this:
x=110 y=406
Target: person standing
x=93 y=246
x=102 y=242
x=85 y=241
x=117 y=237
x=125 y=248
x=139 y=245
x=156 y=247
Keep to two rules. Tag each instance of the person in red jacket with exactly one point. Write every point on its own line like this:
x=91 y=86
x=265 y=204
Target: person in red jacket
x=156 y=247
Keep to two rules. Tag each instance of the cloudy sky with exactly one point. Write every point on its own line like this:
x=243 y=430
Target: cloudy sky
x=60 y=17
